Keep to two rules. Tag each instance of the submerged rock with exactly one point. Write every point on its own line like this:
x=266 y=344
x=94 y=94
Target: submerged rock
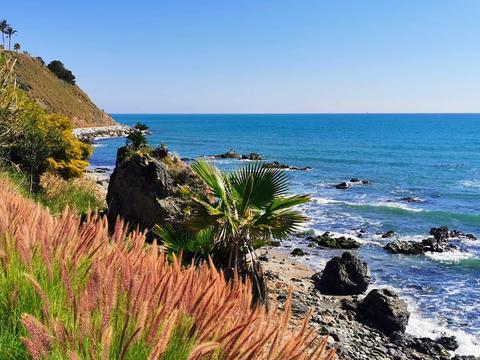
x=346 y=275
x=384 y=310
x=411 y=199
x=328 y=241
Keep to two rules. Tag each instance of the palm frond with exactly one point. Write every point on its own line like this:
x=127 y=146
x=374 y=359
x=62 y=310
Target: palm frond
x=212 y=177
x=287 y=202
x=280 y=224
x=255 y=185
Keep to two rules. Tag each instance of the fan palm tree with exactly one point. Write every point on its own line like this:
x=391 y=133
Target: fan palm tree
x=10 y=32
x=16 y=47
x=3 y=28
x=251 y=207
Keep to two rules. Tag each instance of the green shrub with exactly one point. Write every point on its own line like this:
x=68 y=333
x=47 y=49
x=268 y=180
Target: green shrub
x=62 y=73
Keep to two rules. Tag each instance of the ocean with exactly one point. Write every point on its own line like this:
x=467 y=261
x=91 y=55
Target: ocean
x=434 y=158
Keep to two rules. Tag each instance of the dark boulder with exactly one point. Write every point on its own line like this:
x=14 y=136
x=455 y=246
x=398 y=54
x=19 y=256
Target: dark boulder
x=343 y=185
x=448 y=342
x=298 y=252
x=345 y=275
x=384 y=310
x=328 y=241
x=145 y=191
x=440 y=233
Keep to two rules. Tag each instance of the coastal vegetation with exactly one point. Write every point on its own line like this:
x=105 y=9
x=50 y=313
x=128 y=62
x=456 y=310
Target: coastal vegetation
x=37 y=147
x=69 y=290
x=31 y=138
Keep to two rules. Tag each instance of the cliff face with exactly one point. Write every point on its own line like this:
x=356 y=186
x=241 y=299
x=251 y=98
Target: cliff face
x=55 y=95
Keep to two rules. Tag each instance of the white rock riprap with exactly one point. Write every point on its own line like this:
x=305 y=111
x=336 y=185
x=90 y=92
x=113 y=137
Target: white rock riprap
x=92 y=133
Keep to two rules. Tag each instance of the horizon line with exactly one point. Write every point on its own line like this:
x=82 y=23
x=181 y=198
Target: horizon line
x=294 y=113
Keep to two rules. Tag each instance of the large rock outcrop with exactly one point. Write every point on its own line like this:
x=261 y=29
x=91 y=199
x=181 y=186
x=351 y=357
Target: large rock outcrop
x=384 y=310
x=145 y=191
x=346 y=275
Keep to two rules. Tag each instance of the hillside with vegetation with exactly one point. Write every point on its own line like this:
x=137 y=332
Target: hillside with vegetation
x=57 y=95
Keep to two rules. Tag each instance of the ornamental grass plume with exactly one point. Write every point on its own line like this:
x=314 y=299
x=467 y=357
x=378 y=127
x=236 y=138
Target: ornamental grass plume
x=83 y=294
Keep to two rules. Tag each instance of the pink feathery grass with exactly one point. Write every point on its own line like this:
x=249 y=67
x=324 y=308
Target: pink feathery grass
x=120 y=291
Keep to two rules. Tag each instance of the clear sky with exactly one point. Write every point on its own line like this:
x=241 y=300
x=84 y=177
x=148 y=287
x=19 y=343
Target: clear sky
x=274 y=56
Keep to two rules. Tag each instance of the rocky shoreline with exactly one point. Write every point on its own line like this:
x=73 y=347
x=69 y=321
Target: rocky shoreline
x=337 y=317
x=91 y=133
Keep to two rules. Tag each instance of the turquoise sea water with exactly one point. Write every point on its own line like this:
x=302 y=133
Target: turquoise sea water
x=435 y=158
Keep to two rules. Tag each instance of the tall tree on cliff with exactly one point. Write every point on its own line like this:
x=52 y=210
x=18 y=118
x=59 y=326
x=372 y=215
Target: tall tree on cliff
x=3 y=28
x=10 y=32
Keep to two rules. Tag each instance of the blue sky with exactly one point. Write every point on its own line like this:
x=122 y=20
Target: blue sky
x=256 y=56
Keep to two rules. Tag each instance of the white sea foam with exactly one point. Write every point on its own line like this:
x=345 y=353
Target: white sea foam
x=421 y=326
x=397 y=205
x=449 y=256
x=325 y=201
x=380 y=203
x=470 y=183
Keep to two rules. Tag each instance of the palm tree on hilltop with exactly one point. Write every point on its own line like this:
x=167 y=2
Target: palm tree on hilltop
x=10 y=32
x=3 y=28
x=16 y=47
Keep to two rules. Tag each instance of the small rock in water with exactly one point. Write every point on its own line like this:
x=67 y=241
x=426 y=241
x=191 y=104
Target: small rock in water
x=411 y=199
x=348 y=184
x=388 y=234
x=342 y=185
